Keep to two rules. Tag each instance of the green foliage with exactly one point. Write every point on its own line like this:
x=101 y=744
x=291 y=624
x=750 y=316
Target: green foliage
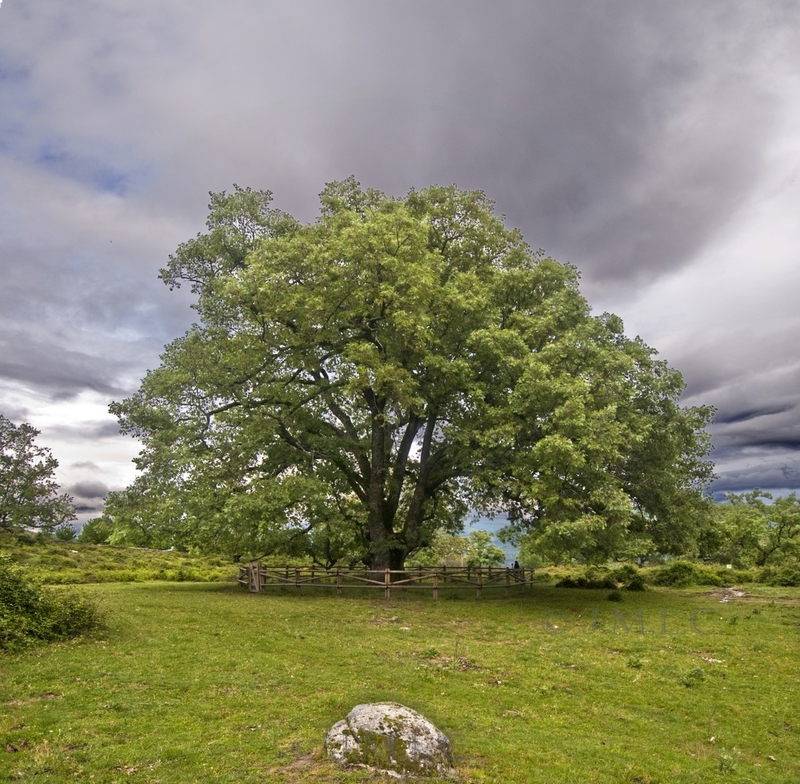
x=627 y=576
x=31 y=614
x=752 y=529
x=694 y=677
x=786 y=575
x=631 y=578
x=481 y=552
x=454 y=550
x=736 y=576
x=592 y=577
x=445 y=549
x=29 y=497
x=356 y=384
x=61 y=563
x=65 y=532
x=681 y=574
x=96 y=531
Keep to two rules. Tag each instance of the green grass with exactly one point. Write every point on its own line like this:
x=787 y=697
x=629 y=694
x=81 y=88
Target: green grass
x=58 y=563
x=204 y=682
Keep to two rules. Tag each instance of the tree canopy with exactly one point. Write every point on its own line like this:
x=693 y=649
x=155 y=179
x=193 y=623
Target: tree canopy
x=358 y=383
x=752 y=529
x=29 y=497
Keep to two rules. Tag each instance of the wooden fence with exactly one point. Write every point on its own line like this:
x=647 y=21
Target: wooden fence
x=257 y=577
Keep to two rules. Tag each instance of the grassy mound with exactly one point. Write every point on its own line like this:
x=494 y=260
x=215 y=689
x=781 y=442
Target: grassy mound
x=59 y=563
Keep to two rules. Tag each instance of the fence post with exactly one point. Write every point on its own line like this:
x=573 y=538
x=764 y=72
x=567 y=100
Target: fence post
x=387 y=581
x=508 y=579
x=480 y=583
x=254 y=576
x=435 y=584
x=338 y=581
x=297 y=577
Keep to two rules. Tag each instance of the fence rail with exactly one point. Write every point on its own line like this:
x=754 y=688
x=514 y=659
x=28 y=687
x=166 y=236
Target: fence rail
x=257 y=577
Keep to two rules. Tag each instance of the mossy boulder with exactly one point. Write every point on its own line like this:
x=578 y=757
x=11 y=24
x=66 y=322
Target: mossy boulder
x=391 y=738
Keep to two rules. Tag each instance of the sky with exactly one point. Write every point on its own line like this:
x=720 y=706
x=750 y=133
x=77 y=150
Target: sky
x=655 y=146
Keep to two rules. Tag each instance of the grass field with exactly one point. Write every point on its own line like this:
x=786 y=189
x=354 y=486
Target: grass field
x=203 y=682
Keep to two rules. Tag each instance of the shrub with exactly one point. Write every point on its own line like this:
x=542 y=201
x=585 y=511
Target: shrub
x=65 y=532
x=30 y=613
x=636 y=583
x=630 y=578
x=680 y=574
x=593 y=577
x=694 y=677
x=788 y=575
x=736 y=576
x=96 y=531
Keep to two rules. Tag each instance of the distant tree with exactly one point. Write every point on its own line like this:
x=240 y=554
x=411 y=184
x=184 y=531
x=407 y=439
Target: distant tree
x=29 y=497
x=359 y=383
x=445 y=549
x=65 y=532
x=454 y=550
x=481 y=552
x=96 y=531
x=752 y=529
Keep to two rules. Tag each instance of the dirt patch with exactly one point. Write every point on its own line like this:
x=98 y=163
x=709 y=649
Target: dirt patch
x=48 y=696
x=453 y=662
x=728 y=595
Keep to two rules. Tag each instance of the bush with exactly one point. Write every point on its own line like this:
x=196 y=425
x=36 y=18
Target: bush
x=96 y=531
x=65 y=532
x=593 y=577
x=680 y=574
x=737 y=576
x=30 y=613
x=630 y=578
x=788 y=575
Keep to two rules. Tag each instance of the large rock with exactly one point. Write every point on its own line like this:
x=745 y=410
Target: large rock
x=391 y=738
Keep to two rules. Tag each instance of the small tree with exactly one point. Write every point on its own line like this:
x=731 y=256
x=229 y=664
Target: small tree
x=29 y=497
x=65 y=532
x=96 y=531
x=481 y=551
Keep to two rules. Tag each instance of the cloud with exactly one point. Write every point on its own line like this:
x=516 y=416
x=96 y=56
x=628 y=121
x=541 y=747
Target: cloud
x=88 y=464
x=88 y=489
x=90 y=431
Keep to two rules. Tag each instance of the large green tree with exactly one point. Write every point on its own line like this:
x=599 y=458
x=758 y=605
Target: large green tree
x=358 y=383
x=29 y=497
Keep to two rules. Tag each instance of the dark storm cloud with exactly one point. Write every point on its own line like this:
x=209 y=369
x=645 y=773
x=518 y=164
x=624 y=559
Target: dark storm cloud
x=17 y=414
x=618 y=136
x=63 y=373
x=88 y=489
x=750 y=414
x=85 y=431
